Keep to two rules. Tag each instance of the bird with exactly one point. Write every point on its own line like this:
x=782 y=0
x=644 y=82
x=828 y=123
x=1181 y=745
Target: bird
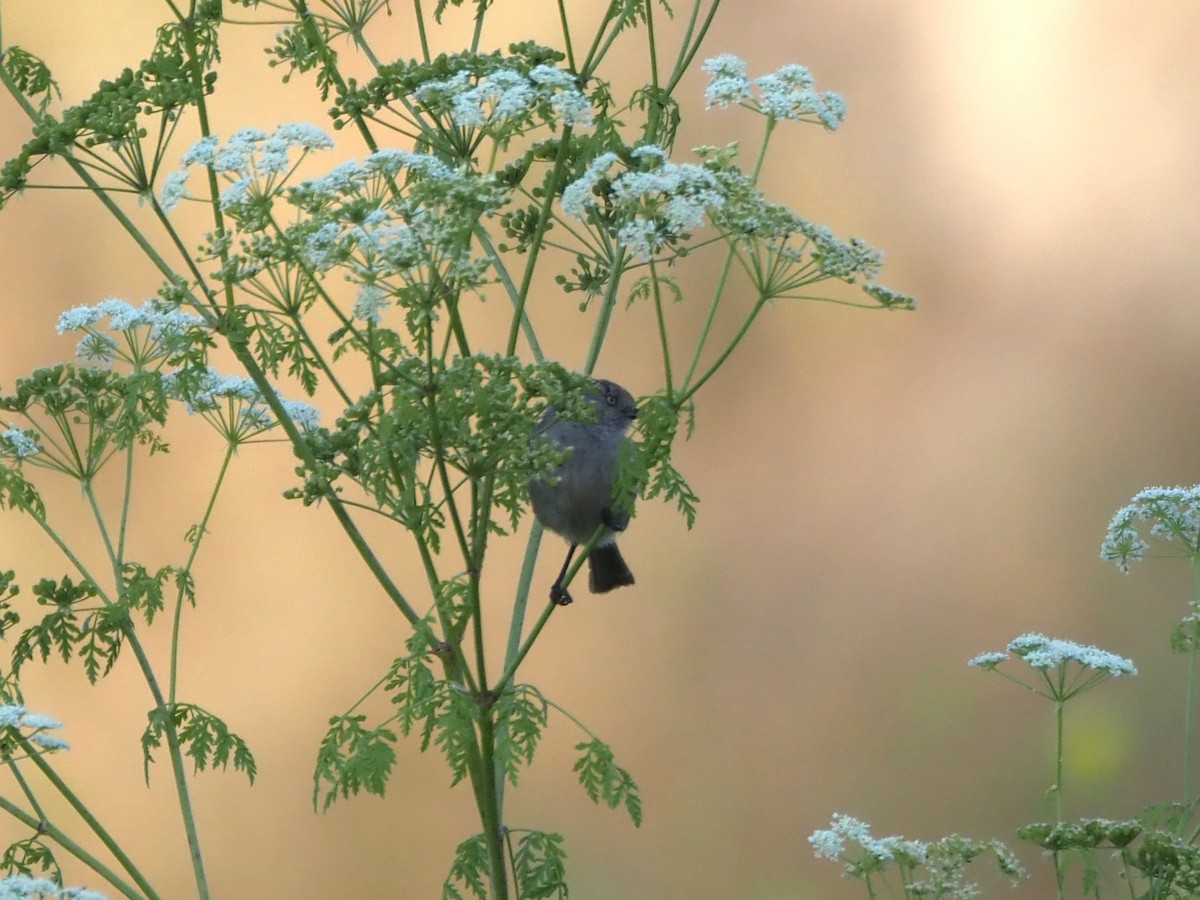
x=578 y=496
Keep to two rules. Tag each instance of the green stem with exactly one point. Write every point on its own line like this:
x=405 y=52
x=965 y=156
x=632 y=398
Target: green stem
x=489 y=809
x=517 y=624
x=1058 y=760
x=660 y=317
x=197 y=537
x=510 y=669
x=41 y=826
x=536 y=242
x=93 y=823
x=175 y=753
x=606 y=311
x=1189 y=725
x=692 y=386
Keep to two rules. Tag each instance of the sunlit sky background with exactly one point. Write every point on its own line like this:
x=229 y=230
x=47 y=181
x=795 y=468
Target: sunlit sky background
x=883 y=495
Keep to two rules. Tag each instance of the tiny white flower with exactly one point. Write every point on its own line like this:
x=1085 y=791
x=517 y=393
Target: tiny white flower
x=1042 y=652
x=372 y=301
x=174 y=189
x=577 y=196
x=37 y=720
x=988 y=660
x=77 y=318
x=203 y=152
x=236 y=193
x=23 y=446
x=1174 y=514
x=301 y=134
x=305 y=415
x=235 y=156
x=48 y=742
x=827 y=844
x=727 y=83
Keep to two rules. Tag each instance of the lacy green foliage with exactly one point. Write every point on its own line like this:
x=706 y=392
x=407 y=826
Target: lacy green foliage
x=204 y=738
x=92 y=631
x=538 y=861
x=523 y=713
x=468 y=870
x=74 y=626
x=31 y=77
x=30 y=856
x=538 y=865
x=471 y=419
x=605 y=781
x=655 y=475
x=351 y=759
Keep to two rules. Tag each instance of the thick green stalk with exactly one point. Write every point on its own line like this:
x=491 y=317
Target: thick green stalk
x=489 y=809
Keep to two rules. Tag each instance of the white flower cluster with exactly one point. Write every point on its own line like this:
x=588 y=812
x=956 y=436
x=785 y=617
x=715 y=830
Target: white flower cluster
x=23 y=887
x=656 y=204
x=1042 y=652
x=787 y=93
x=249 y=412
x=162 y=320
x=1175 y=513
x=844 y=260
x=248 y=155
x=17 y=442
x=401 y=237
x=830 y=843
x=507 y=95
x=13 y=716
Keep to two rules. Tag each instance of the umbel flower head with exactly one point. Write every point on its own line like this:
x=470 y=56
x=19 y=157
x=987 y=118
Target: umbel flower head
x=1065 y=668
x=786 y=94
x=929 y=868
x=1041 y=652
x=147 y=330
x=1175 y=516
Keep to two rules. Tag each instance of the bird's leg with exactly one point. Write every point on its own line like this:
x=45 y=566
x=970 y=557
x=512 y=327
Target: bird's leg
x=558 y=594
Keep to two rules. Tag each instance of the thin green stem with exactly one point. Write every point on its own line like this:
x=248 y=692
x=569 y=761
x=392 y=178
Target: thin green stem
x=568 y=47
x=1058 y=760
x=420 y=17
x=1189 y=725
x=94 y=824
x=691 y=387
x=723 y=277
x=521 y=603
x=511 y=668
x=197 y=537
x=175 y=753
x=536 y=241
x=600 y=331
x=660 y=317
x=41 y=826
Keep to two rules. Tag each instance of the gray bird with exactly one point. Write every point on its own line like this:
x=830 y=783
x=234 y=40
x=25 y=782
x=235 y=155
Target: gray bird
x=578 y=496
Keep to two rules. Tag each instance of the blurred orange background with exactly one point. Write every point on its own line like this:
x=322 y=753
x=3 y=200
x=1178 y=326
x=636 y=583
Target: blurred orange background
x=883 y=495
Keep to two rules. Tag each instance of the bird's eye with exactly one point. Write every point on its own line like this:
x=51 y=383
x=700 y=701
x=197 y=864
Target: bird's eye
x=611 y=400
